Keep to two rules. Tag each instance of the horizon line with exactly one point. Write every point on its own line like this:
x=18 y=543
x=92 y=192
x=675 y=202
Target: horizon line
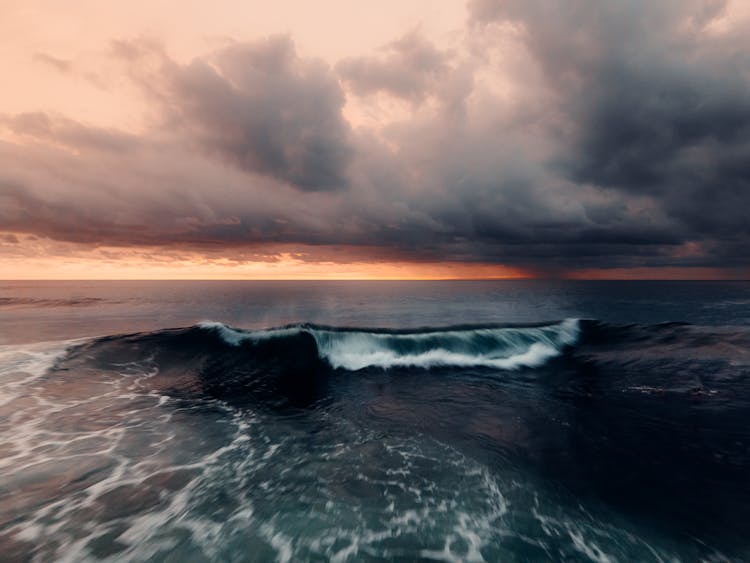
x=510 y=278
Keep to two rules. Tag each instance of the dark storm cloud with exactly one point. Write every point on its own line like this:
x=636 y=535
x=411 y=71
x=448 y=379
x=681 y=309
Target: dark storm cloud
x=624 y=142
x=155 y=193
x=659 y=104
x=409 y=69
x=261 y=108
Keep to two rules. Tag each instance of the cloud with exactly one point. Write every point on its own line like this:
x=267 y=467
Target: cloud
x=410 y=69
x=43 y=127
x=555 y=136
x=156 y=193
x=258 y=106
x=656 y=105
x=60 y=65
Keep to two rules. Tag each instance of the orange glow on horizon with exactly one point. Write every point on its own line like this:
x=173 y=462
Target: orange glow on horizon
x=284 y=267
x=290 y=269
x=254 y=271
x=24 y=257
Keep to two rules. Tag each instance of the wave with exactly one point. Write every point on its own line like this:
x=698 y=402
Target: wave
x=295 y=365
x=354 y=349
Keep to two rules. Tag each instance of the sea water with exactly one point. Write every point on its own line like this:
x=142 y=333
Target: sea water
x=472 y=421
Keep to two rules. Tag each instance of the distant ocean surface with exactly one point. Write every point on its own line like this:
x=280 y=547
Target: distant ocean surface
x=316 y=421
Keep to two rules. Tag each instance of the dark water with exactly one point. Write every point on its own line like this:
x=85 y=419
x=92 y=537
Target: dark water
x=496 y=421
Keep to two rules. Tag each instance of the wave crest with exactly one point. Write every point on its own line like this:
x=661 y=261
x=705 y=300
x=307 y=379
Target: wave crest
x=355 y=349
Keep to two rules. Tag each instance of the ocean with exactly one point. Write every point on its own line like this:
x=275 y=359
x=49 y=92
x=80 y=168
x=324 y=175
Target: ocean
x=521 y=420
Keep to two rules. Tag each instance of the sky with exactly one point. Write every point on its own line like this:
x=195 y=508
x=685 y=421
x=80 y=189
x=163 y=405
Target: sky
x=393 y=139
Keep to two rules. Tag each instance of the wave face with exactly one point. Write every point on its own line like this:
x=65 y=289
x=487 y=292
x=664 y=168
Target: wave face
x=490 y=347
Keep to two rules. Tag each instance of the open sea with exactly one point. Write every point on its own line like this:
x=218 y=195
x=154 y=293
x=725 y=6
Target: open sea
x=376 y=421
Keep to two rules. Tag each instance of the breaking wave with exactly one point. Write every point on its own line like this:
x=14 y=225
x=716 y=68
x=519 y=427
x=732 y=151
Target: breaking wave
x=355 y=349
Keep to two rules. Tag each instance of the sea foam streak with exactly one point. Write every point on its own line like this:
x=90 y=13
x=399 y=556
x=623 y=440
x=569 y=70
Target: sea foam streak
x=19 y=365
x=354 y=349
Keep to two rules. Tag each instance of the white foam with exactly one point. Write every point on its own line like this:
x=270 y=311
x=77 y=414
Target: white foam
x=508 y=348
x=514 y=347
x=235 y=337
x=341 y=357
x=22 y=364
x=33 y=359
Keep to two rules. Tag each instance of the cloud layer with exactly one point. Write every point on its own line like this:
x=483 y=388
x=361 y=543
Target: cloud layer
x=551 y=136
